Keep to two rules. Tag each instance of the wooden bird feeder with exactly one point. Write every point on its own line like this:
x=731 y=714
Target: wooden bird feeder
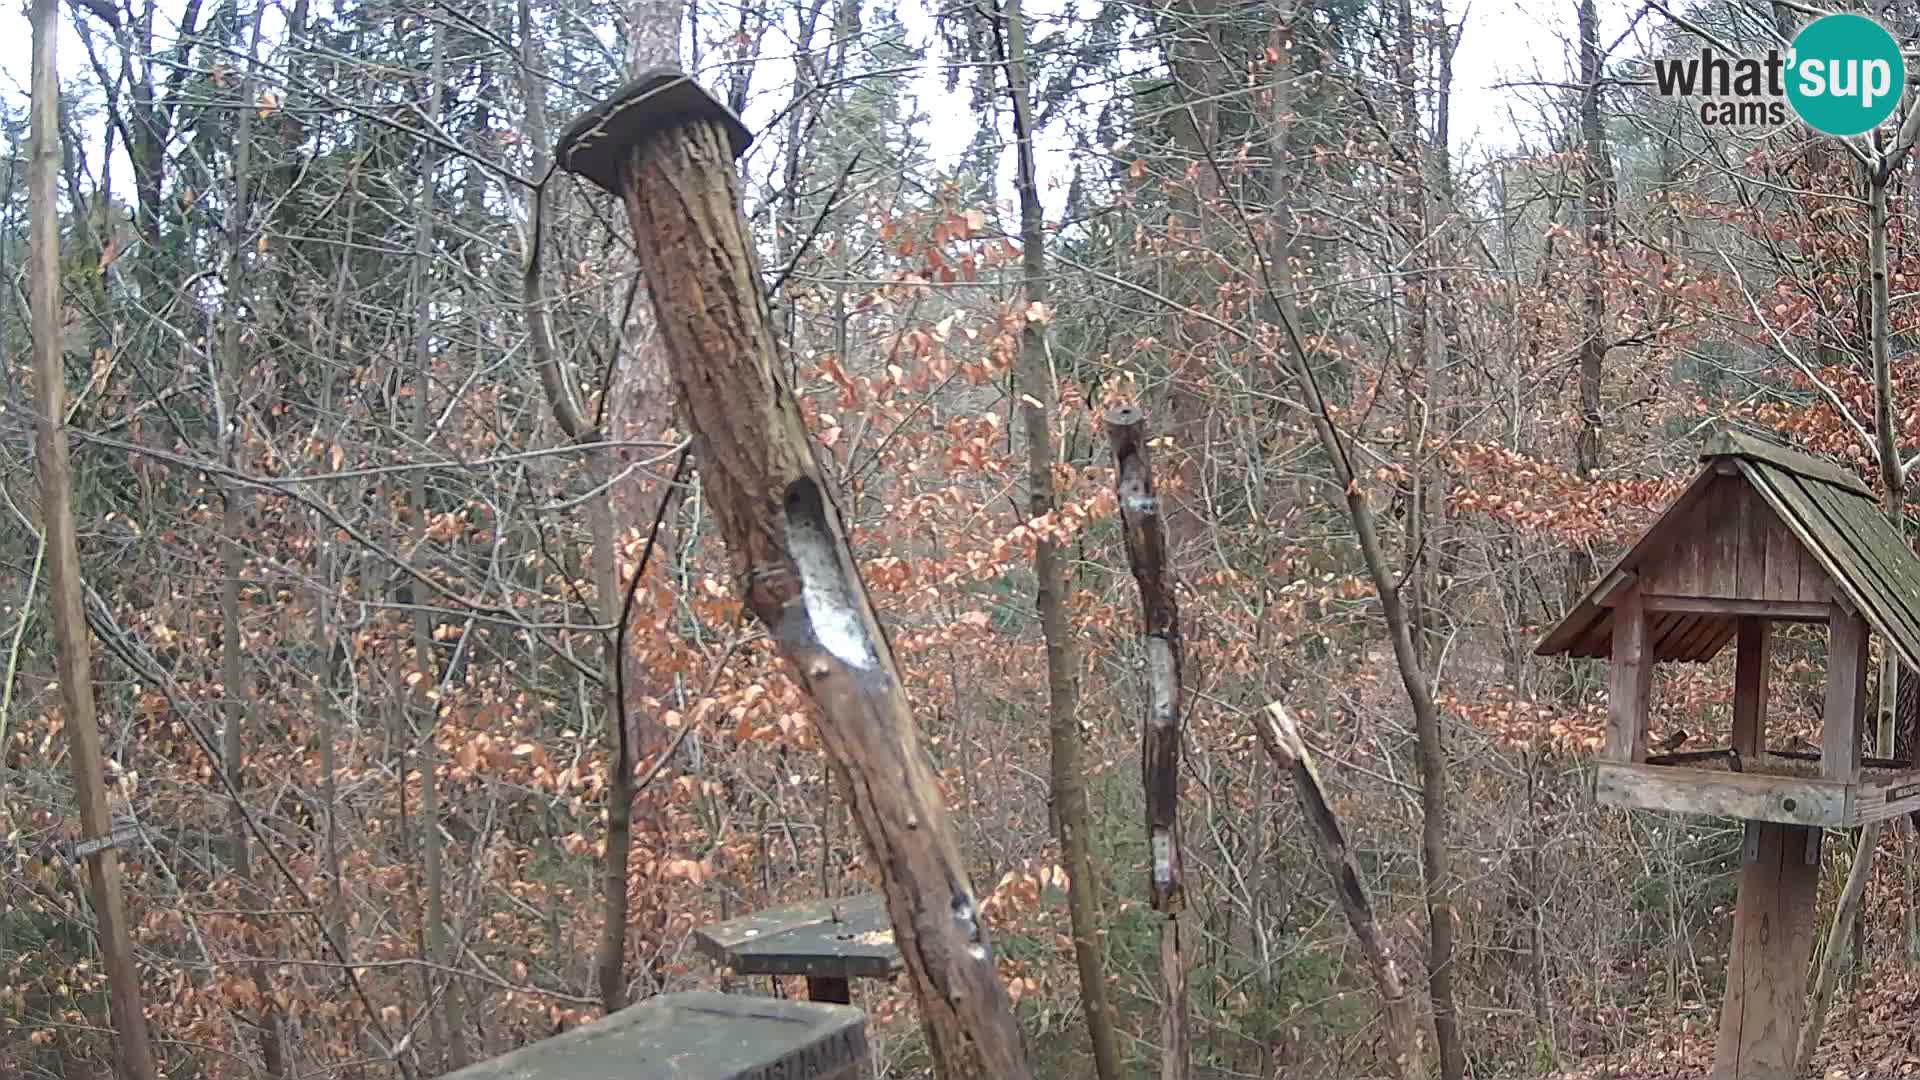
x=697 y=1036
x=828 y=941
x=1763 y=535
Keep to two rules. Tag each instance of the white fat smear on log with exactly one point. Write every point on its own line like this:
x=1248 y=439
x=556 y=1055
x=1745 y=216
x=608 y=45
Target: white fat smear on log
x=833 y=616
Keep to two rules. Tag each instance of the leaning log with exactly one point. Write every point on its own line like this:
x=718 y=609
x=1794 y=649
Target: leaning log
x=1280 y=734
x=667 y=149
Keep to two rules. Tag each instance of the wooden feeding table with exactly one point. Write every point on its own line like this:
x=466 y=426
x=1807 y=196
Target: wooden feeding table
x=1763 y=535
x=696 y=1036
x=828 y=941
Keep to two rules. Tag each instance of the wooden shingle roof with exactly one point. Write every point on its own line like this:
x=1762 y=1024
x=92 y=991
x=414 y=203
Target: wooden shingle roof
x=1830 y=512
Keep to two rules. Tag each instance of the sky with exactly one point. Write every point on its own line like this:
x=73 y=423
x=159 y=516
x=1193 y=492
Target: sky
x=1504 y=42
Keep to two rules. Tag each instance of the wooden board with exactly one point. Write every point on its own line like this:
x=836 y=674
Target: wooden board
x=697 y=1036
x=1756 y=797
x=1880 y=800
x=1772 y=943
x=849 y=937
x=1724 y=550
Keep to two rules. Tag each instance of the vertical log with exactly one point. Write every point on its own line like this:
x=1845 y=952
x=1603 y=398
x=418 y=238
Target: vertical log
x=1146 y=538
x=667 y=148
x=63 y=557
x=1631 y=672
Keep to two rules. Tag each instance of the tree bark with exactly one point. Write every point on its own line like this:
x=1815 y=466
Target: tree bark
x=1146 y=537
x=1037 y=387
x=1280 y=735
x=773 y=505
x=63 y=557
x=1595 y=216
x=448 y=1021
x=237 y=713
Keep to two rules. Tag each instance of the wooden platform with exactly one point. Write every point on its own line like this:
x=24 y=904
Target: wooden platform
x=845 y=938
x=697 y=1036
x=1790 y=800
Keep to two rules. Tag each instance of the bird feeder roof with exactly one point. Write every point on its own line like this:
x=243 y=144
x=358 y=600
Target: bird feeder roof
x=1828 y=513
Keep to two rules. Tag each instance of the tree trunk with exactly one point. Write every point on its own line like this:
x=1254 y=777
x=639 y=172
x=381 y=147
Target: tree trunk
x=63 y=558
x=237 y=712
x=1038 y=390
x=448 y=1021
x=773 y=505
x=1160 y=734
x=1437 y=876
x=1595 y=215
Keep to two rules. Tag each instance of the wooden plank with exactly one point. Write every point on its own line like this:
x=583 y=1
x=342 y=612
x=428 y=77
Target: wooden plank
x=1810 y=526
x=1873 y=569
x=1846 y=696
x=1740 y=444
x=1701 y=641
x=1720 y=528
x=1887 y=799
x=1720 y=639
x=1784 y=556
x=1772 y=944
x=1666 y=529
x=1753 y=523
x=1777 y=610
x=1631 y=675
x=1894 y=564
x=1787 y=799
x=1750 y=686
x=697 y=1036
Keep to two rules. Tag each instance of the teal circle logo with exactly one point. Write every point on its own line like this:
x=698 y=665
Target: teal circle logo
x=1846 y=74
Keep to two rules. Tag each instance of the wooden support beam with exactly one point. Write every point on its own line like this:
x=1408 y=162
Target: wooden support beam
x=1754 y=650
x=667 y=149
x=1846 y=696
x=1779 y=610
x=1772 y=943
x=1631 y=683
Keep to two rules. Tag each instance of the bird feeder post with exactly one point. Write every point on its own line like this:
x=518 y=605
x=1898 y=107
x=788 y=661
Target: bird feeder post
x=667 y=149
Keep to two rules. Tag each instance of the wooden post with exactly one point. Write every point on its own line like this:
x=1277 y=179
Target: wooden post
x=1753 y=652
x=72 y=657
x=1846 y=696
x=1772 y=943
x=1146 y=537
x=1631 y=675
x=667 y=149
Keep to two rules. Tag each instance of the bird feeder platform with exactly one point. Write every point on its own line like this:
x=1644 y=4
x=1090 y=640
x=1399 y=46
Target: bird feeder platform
x=697 y=1036
x=828 y=941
